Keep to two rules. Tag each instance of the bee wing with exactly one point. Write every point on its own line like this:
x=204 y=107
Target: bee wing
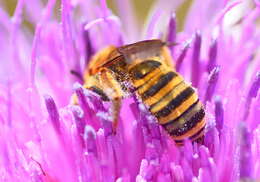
x=112 y=61
x=141 y=50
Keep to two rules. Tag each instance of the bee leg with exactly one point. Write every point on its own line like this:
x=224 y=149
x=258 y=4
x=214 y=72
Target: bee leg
x=116 y=105
x=114 y=92
x=77 y=74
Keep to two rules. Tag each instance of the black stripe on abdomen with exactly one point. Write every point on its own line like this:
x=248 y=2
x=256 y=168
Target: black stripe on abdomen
x=165 y=98
x=161 y=82
x=193 y=137
x=190 y=111
x=197 y=134
x=188 y=125
x=175 y=102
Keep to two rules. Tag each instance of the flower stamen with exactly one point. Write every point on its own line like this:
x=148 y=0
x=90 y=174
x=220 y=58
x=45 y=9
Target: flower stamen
x=182 y=55
x=212 y=82
x=171 y=37
x=219 y=113
x=252 y=94
x=53 y=112
x=212 y=55
x=196 y=71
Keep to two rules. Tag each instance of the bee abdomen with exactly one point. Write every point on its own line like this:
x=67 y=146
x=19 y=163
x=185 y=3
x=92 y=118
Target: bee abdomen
x=171 y=100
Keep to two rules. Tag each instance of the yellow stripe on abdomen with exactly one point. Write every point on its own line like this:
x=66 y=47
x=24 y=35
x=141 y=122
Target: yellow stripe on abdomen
x=140 y=82
x=165 y=100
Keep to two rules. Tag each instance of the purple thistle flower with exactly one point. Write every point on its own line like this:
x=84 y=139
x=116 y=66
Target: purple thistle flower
x=44 y=137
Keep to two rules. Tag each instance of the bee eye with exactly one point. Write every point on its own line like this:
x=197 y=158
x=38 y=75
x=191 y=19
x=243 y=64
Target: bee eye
x=98 y=91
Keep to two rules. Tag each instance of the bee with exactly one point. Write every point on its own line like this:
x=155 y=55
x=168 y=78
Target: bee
x=146 y=69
